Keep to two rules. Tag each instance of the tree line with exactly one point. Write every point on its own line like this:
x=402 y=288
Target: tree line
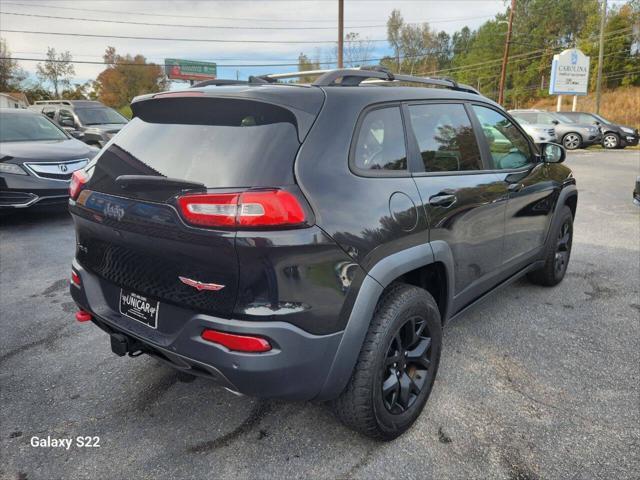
x=541 y=28
x=124 y=77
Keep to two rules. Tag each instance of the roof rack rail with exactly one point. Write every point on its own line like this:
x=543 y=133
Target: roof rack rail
x=351 y=77
x=348 y=77
x=218 y=82
x=52 y=102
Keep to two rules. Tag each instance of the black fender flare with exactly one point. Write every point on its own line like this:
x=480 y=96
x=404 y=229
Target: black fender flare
x=379 y=277
x=568 y=190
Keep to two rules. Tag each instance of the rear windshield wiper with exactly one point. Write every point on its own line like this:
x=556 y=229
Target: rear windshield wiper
x=156 y=182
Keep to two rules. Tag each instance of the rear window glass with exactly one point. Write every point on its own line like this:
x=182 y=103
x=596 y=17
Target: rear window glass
x=381 y=144
x=99 y=116
x=217 y=142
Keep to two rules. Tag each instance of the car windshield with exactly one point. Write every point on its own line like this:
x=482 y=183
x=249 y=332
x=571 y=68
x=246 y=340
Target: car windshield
x=99 y=116
x=21 y=127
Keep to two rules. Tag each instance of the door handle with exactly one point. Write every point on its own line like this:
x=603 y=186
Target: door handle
x=442 y=200
x=515 y=187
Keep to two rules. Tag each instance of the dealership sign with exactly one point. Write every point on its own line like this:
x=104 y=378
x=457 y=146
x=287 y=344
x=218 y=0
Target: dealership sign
x=569 y=73
x=189 y=69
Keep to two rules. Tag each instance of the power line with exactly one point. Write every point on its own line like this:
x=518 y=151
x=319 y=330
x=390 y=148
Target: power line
x=263 y=19
x=293 y=64
x=148 y=14
x=172 y=39
x=162 y=65
x=227 y=27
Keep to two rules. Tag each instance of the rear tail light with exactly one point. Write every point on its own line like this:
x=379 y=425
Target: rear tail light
x=238 y=343
x=78 y=181
x=83 y=316
x=75 y=278
x=260 y=208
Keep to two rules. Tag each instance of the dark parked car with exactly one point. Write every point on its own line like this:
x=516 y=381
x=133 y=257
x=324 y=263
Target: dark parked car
x=572 y=135
x=613 y=135
x=309 y=241
x=37 y=159
x=89 y=121
x=636 y=192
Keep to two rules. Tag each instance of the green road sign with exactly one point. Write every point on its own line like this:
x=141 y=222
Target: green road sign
x=177 y=69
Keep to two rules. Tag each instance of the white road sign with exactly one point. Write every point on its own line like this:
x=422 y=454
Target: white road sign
x=569 y=73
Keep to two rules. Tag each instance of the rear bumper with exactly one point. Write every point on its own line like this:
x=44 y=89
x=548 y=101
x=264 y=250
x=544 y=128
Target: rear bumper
x=295 y=369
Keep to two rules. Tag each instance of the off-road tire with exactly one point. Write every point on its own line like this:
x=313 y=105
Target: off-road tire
x=551 y=274
x=361 y=405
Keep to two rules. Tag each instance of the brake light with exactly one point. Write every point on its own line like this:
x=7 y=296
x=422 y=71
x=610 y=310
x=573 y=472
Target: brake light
x=259 y=208
x=83 y=316
x=75 y=278
x=238 y=343
x=78 y=181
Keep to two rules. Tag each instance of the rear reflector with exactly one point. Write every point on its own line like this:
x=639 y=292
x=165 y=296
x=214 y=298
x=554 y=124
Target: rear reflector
x=75 y=278
x=83 y=316
x=238 y=343
x=78 y=181
x=259 y=208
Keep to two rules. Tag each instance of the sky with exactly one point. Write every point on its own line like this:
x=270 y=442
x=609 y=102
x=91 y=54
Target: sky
x=272 y=21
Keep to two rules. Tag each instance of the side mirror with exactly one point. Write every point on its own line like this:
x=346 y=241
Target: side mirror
x=67 y=122
x=553 y=153
x=555 y=122
x=76 y=134
x=597 y=123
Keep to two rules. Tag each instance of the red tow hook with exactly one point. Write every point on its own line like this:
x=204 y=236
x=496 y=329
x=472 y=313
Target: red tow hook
x=83 y=316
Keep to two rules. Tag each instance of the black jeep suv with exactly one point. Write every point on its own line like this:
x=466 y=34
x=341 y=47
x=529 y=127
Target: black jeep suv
x=309 y=241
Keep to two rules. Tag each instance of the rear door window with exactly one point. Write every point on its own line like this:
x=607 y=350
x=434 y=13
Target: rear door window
x=445 y=137
x=221 y=143
x=584 y=118
x=381 y=144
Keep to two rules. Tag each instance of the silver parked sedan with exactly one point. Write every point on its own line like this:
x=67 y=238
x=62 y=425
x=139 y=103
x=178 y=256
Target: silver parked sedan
x=571 y=135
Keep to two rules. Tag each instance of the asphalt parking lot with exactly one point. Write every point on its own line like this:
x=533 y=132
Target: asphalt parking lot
x=534 y=383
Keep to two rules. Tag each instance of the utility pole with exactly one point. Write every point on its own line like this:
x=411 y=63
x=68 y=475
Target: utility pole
x=505 y=58
x=601 y=54
x=340 y=32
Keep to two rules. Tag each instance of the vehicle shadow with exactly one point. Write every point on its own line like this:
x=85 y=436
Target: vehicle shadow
x=43 y=215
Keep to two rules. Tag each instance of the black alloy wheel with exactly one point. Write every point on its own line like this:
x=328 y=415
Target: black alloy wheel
x=563 y=249
x=406 y=366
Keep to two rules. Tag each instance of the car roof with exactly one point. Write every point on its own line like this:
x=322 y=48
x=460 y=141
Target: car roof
x=309 y=98
x=19 y=111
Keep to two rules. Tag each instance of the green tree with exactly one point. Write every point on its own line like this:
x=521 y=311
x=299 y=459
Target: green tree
x=305 y=63
x=57 y=69
x=11 y=75
x=36 y=91
x=79 y=91
x=394 y=28
x=125 y=77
